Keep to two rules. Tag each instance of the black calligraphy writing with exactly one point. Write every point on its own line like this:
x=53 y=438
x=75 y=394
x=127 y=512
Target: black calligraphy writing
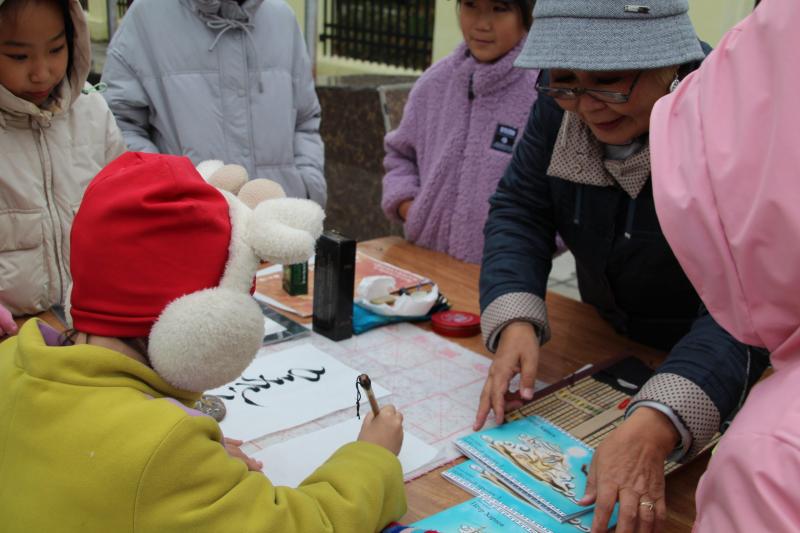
x=249 y=387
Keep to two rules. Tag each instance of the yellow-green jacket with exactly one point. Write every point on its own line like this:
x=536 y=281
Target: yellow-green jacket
x=93 y=441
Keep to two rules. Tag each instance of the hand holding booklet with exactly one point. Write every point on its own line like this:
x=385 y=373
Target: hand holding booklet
x=545 y=465
x=527 y=475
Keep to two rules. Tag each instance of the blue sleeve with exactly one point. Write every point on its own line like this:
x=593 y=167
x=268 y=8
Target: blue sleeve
x=721 y=366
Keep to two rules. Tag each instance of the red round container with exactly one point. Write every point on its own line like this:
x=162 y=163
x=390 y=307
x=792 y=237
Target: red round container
x=456 y=323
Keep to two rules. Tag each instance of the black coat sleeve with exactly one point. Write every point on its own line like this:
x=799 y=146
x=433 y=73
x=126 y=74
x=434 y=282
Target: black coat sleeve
x=705 y=380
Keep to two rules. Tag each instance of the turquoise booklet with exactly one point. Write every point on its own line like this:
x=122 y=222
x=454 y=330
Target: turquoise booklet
x=544 y=464
x=483 y=483
x=472 y=516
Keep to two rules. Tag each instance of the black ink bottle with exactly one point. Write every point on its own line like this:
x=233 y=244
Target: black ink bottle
x=334 y=279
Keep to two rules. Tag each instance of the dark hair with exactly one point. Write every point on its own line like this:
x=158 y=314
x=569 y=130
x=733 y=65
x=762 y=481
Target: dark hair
x=525 y=8
x=11 y=9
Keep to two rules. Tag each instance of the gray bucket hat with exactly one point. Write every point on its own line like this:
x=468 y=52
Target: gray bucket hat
x=610 y=35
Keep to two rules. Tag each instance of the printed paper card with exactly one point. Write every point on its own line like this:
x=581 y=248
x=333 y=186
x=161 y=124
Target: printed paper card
x=472 y=516
x=540 y=461
x=483 y=483
x=283 y=389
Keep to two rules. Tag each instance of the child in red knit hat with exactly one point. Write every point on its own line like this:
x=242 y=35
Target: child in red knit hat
x=162 y=266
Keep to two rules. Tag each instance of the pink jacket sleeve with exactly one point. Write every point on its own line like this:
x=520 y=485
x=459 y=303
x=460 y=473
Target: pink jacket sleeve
x=752 y=494
x=751 y=484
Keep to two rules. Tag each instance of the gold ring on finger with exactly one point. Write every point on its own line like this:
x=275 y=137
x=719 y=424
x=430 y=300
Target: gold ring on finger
x=647 y=504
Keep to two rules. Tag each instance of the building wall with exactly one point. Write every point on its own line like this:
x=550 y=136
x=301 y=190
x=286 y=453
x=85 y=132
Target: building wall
x=97 y=17
x=712 y=18
x=338 y=66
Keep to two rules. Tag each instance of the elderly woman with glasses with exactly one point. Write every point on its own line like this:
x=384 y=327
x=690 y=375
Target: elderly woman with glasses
x=582 y=170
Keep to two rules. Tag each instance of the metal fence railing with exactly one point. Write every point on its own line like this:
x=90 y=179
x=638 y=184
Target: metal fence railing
x=391 y=32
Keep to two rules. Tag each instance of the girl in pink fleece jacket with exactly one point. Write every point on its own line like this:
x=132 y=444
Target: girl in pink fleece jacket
x=459 y=128
x=725 y=176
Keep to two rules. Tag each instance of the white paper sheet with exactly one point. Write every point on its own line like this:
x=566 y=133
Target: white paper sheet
x=435 y=383
x=287 y=388
x=289 y=463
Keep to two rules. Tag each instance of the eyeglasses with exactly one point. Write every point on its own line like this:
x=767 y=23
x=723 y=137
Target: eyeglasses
x=573 y=93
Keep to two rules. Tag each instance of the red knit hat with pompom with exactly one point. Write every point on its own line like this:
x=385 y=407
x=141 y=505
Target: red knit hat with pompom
x=158 y=252
x=149 y=231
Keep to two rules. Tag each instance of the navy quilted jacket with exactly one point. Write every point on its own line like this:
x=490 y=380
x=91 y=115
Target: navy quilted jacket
x=625 y=267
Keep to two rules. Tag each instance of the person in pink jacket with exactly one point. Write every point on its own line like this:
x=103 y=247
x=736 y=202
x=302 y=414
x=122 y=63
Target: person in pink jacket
x=725 y=175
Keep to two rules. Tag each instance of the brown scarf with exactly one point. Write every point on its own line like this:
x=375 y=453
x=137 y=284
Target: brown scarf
x=579 y=157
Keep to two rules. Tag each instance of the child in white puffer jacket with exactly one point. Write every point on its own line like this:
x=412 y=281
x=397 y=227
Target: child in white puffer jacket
x=55 y=139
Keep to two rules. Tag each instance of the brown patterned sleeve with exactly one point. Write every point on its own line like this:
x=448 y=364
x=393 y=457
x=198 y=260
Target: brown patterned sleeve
x=514 y=307
x=692 y=406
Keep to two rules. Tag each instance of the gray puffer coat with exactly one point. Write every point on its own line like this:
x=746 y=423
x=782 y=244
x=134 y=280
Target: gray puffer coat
x=212 y=79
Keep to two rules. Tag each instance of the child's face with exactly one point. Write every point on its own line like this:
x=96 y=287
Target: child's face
x=491 y=28
x=33 y=51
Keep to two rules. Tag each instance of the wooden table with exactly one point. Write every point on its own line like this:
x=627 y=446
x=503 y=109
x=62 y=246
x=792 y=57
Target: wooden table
x=579 y=336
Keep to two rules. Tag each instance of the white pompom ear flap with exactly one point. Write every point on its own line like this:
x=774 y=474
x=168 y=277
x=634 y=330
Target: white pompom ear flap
x=279 y=243
x=285 y=230
x=299 y=214
x=206 y=339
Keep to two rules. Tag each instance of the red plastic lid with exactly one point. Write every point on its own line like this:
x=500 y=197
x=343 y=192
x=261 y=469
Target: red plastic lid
x=456 y=323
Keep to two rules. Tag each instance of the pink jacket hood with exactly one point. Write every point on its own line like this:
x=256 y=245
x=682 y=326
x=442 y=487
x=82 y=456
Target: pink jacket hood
x=726 y=178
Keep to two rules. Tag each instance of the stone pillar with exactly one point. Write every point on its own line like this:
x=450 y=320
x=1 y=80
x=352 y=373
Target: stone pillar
x=357 y=111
